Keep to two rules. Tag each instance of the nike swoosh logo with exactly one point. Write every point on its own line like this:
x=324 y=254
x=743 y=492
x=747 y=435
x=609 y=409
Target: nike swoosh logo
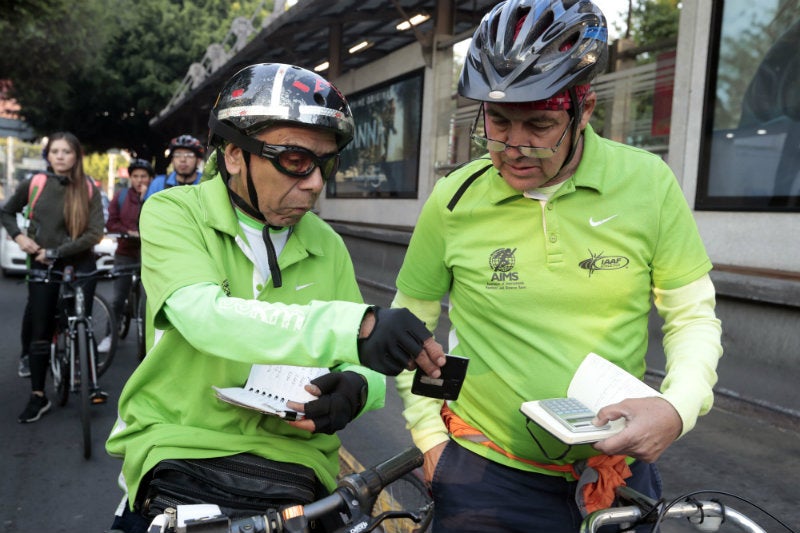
x=594 y=223
x=301 y=287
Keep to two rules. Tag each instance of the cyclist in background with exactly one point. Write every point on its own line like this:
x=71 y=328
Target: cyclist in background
x=65 y=224
x=123 y=218
x=550 y=247
x=185 y=153
x=237 y=272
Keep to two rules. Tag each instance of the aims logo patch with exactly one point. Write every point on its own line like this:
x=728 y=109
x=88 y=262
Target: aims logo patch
x=502 y=262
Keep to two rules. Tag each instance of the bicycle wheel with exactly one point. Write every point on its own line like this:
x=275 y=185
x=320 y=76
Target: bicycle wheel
x=81 y=345
x=124 y=321
x=408 y=493
x=59 y=368
x=104 y=325
x=140 y=337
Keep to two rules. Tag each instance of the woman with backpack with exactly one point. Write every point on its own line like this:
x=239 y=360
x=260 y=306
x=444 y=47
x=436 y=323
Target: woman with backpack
x=66 y=221
x=123 y=218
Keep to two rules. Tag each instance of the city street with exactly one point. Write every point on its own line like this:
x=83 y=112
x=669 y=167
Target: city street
x=47 y=485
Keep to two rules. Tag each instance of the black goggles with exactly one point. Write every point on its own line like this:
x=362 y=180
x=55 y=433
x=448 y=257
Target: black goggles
x=299 y=162
x=294 y=161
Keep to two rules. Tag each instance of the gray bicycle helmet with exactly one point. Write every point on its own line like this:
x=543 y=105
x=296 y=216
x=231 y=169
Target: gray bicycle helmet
x=261 y=95
x=530 y=50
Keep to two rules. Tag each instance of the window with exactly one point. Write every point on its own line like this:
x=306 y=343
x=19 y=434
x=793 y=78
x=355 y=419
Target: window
x=750 y=155
x=382 y=161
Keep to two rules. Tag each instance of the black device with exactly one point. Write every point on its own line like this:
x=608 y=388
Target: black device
x=448 y=385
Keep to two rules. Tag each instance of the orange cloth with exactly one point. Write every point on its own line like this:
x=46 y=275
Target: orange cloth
x=612 y=470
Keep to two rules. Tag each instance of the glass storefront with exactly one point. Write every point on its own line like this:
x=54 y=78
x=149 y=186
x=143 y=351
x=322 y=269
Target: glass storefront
x=750 y=158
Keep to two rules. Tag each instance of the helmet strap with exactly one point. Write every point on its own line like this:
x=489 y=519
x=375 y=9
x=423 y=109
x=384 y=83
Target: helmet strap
x=237 y=200
x=241 y=203
x=576 y=110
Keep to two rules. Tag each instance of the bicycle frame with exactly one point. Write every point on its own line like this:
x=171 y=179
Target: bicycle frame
x=75 y=369
x=133 y=310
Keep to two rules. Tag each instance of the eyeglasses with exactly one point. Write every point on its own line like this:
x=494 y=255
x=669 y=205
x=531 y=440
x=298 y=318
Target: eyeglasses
x=528 y=151
x=299 y=162
x=183 y=157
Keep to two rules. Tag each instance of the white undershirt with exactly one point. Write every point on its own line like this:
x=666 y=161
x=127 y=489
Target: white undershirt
x=256 y=242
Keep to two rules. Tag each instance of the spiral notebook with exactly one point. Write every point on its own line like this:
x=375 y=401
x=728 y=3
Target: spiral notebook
x=269 y=387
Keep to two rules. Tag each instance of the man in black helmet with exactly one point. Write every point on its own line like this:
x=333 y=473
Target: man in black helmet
x=255 y=285
x=123 y=218
x=185 y=153
x=551 y=247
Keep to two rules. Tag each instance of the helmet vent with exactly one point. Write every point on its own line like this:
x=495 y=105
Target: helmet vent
x=319 y=99
x=541 y=27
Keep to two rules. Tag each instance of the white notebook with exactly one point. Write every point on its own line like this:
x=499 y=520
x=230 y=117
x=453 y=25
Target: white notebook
x=269 y=387
x=597 y=383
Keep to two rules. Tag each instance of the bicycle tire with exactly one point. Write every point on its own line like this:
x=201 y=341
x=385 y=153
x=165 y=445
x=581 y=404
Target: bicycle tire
x=141 y=338
x=409 y=493
x=104 y=325
x=59 y=368
x=124 y=322
x=81 y=343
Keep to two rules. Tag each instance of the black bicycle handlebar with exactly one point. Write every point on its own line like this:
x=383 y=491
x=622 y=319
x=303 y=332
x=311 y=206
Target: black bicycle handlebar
x=352 y=497
x=70 y=275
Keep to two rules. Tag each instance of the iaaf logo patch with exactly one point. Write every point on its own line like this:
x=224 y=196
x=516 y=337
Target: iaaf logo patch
x=502 y=262
x=603 y=262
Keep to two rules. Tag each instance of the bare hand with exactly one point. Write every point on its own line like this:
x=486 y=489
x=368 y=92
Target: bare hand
x=652 y=425
x=42 y=258
x=430 y=359
x=26 y=244
x=306 y=424
x=432 y=457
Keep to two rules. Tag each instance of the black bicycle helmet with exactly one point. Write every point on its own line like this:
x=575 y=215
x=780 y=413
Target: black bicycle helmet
x=143 y=164
x=188 y=142
x=261 y=95
x=530 y=50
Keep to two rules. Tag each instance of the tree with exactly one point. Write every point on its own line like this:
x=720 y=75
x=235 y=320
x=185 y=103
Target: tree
x=105 y=67
x=653 y=21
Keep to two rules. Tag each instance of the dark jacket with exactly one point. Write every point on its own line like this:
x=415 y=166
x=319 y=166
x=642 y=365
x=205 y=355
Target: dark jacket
x=125 y=219
x=48 y=227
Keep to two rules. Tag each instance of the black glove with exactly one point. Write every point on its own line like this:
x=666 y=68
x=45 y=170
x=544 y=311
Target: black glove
x=395 y=341
x=343 y=396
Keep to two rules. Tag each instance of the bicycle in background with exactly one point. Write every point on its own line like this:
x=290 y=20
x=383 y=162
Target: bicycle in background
x=75 y=362
x=133 y=311
x=351 y=500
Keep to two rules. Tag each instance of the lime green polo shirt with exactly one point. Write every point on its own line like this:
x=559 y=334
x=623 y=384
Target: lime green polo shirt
x=535 y=286
x=191 y=238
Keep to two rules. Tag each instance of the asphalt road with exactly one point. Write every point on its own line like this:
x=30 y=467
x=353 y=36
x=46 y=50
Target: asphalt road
x=47 y=485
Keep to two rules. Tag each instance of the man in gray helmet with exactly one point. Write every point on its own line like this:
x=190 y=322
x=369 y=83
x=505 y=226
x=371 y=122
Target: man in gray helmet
x=551 y=247
x=238 y=272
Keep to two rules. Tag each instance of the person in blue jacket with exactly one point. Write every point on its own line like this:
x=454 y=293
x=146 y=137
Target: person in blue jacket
x=186 y=152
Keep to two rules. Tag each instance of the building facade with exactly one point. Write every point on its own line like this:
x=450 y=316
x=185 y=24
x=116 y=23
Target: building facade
x=721 y=106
